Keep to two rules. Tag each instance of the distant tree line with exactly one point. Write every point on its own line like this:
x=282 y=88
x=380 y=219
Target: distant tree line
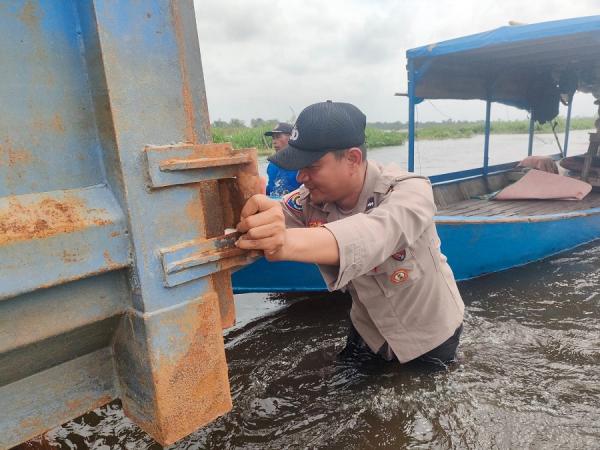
x=265 y=123
x=402 y=126
x=239 y=123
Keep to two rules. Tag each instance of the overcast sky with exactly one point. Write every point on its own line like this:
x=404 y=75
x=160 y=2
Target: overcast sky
x=270 y=59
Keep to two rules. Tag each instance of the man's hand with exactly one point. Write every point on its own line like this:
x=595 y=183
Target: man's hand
x=263 y=226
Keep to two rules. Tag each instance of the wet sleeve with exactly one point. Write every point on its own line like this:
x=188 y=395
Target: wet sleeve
x=367 y=240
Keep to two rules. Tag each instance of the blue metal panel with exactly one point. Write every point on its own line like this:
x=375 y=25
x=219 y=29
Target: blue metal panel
x=500 y=243
x=486 y=141
x=284 y=276
x=94 y=94
x=531 y=132
x=48 y=137
x=568 y=126
x=61 y=392
x=411 y=118
x=46 y=313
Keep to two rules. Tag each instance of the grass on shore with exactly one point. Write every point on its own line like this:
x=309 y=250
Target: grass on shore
x=243 y=137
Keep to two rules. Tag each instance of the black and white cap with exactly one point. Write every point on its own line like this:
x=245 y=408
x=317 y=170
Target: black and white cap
x=319 y=129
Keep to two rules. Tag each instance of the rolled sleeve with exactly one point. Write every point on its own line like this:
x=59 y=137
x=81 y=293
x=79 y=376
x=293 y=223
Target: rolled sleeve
x=352 y=251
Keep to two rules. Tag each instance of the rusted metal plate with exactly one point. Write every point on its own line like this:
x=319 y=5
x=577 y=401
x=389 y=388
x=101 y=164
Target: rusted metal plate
x=184 y=373
x=54 y=237
x=87 y=87
x=190 y=163
x=192 y=260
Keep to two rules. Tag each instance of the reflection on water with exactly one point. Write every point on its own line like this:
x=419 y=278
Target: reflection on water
x=529 y=376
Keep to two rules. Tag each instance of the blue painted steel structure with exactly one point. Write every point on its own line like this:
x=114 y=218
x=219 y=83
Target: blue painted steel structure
x=114 y=276
x=495 y=66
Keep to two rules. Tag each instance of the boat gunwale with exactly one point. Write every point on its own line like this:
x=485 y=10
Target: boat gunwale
x=458 y=220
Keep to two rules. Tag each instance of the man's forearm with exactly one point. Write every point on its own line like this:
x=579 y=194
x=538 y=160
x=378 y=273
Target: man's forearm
x=311 y=245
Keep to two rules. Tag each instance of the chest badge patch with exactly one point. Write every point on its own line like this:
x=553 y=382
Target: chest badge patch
x=315 y=223
x=370 y=203
x=400 y=256
x=400 y=276
x=292 y=202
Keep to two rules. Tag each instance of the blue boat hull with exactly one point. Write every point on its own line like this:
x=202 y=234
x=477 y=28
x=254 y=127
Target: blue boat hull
x=474 y=246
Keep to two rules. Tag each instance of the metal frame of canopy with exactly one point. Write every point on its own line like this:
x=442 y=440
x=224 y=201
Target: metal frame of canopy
x=501 y=41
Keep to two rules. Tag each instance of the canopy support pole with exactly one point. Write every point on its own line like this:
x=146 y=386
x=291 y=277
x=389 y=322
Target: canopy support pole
x=568 y=126
x=531 y=131
x=486 y=143
x=411 y=118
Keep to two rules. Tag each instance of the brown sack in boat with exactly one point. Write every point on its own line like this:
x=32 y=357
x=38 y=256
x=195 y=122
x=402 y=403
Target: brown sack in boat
x=539 y=185
x=544 y=163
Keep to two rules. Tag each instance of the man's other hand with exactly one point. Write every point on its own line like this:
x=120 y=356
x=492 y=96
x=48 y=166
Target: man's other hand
x=262 y=225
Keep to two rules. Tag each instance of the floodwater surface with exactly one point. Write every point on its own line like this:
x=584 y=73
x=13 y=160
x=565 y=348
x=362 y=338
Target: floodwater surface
x=528 y=376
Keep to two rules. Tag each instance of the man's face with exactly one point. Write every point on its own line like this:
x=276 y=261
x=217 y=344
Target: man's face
x=280 y=140
x=327 y=179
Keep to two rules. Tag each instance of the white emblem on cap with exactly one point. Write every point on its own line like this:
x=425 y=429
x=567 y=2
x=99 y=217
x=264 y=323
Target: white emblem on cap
x=295 y=134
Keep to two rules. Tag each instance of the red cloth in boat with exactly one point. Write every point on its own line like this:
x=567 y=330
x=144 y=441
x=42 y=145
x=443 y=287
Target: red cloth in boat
x=539 y=185
x=545 y=163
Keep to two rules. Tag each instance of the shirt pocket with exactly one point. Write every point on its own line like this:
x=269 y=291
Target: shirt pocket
x=398 y=273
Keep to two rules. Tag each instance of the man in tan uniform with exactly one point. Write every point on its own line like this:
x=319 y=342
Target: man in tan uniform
x=370 y=229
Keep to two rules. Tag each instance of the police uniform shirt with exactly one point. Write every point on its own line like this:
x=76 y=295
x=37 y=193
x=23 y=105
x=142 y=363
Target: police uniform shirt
x=403 y=290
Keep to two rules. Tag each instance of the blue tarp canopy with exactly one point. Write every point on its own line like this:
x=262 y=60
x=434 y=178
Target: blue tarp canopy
x=526 y=66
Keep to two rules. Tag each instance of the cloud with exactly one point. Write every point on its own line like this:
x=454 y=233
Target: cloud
x=263 y=58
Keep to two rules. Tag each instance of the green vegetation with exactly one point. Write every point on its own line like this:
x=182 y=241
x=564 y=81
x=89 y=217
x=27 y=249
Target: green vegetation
x=242 y=136
x=454 y=130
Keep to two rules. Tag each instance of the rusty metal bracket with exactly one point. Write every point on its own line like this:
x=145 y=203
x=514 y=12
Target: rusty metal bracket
x=196 y=259
x=171 y=165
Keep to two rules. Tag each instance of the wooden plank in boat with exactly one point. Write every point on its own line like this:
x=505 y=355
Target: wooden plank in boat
x=464 y=206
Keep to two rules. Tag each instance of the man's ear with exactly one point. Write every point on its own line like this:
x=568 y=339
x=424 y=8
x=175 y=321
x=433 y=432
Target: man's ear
x=354 y=155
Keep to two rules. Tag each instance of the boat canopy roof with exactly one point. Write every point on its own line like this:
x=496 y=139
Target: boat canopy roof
x=527 y=66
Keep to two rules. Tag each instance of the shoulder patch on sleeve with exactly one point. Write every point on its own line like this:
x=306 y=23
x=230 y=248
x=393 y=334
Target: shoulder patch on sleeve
x=292 y=203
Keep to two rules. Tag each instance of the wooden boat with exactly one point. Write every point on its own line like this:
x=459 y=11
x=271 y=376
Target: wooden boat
x=509 y=65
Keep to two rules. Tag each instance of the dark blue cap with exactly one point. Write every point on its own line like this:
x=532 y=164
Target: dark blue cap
x=319 y=129
x=281 y=127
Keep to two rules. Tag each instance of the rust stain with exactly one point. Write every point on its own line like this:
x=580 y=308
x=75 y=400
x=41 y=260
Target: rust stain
x=31 y=17
x=188 y=104
x=115 y=234
x=71 y=257
x=109 y=261
x=194 y=212
x=13 y=157
x=193 y=390
x=46 y=217
x=29 y=14
x=57 y=123
x=82 y=405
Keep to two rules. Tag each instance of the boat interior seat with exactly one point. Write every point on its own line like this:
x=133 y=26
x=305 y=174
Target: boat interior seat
x=446 y=194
